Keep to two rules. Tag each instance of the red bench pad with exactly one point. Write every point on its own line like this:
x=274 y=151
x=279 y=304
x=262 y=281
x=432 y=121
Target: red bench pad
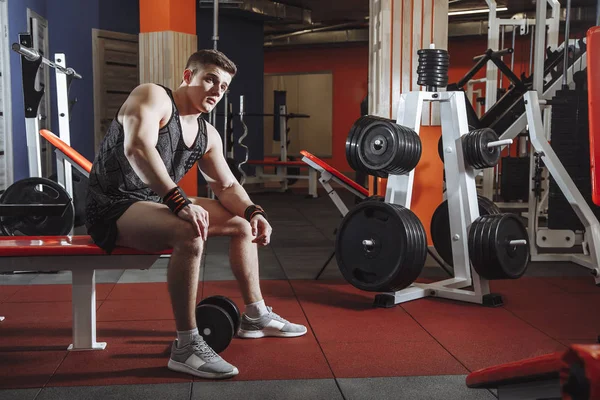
x=38 y=246
x=593 y=71
x=335 y=172
x=67 y=150
x=539 y=368
x=278 y=163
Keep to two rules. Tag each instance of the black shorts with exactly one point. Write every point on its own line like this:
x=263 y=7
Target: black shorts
x=104 y=232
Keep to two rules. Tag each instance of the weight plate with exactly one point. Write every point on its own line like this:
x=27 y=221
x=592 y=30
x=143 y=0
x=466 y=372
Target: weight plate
x=432 y=51
x=372 y=247
x=408 y=151
x=226 y=304
x=378 y=146
x=490 y=240
x=353 y=144
x=478 y=155
x=37 y=191
x=440 y=228
x=215 y=326
x=512 y=260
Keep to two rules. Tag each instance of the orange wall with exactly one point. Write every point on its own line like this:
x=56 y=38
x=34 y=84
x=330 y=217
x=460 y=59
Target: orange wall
x=349 y=67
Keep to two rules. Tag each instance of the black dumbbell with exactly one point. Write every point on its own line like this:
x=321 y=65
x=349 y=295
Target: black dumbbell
x=218 y=320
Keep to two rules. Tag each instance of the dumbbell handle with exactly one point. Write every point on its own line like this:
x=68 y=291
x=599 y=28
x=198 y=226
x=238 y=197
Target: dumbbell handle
x=521 y=242
x=499 y=143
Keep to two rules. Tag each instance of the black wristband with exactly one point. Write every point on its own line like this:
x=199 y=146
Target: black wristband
x=253 y=210
x=176 y=200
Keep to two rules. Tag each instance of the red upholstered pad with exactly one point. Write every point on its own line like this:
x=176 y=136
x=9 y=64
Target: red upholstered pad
x=593 y=71
x=67 y=150
x=335 y=172
x=589 y=356
x=36 y=246
x=278 y=163
x=538 y=368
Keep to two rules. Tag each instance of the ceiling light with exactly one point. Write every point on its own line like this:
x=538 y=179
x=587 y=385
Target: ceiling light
x=480 y=11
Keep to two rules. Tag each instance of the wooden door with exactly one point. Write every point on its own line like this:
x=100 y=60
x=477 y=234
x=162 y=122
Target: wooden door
x=116 y=74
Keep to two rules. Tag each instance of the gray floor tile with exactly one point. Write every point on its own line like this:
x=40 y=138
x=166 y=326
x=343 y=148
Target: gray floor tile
x=556 y=269
x=17 y=279
x=267 y=390
x=172 y=391
x=412 y=387
x=19 y=394
x=139 y=276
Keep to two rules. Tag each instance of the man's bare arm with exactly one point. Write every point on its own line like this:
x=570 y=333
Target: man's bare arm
x=219 y=177
x=141 y=115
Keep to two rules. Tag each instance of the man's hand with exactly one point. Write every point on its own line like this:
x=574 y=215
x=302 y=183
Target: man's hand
x=198 y=217
x=261 y=229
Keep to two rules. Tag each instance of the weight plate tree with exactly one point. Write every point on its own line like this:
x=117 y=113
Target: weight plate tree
x=380 y=247
x=54 y=214
x=499 y=246
x=440 y=226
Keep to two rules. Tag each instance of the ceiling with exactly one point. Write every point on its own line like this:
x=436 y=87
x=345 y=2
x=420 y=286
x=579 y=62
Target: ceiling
x=314 y=22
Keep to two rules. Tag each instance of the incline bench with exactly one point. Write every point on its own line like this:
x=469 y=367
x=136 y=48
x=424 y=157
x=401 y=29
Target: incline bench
x=77 y=254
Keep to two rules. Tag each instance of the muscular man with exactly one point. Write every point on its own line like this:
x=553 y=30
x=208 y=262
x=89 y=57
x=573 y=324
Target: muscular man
x=134 y=201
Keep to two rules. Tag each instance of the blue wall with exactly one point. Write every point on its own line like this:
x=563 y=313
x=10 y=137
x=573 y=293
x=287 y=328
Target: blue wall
x=241 y=39
x=76 y=43
x=120 y=16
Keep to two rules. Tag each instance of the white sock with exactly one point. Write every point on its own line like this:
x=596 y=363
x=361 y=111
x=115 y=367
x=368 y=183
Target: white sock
x=257 y=309
x=185 y=337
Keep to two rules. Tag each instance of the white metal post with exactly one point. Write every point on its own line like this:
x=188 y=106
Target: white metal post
x=84 y=311
x=62 y=100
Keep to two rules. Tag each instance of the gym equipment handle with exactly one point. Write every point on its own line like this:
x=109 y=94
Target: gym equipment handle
x=33 y=55
x=494 y=54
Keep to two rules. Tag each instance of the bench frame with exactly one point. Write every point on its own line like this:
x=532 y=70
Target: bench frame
x=83 y=272
x=82 y=266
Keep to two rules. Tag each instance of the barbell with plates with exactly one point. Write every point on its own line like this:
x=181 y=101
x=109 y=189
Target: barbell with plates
x=36 y=206
x=218 y=320
x=440 y=226
x=380 y=247
x=379 y=147
x=499 y=246
x=481 y=148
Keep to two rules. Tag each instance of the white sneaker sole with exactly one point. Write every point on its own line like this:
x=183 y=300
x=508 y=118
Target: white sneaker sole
x=180 y=367
x=268 y=333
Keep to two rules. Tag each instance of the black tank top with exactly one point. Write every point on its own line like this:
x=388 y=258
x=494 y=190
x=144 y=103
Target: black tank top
x=113 y=182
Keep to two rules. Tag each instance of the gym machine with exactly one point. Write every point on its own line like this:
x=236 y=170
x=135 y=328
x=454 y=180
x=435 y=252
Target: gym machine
x=381 y=246
x=37 y=205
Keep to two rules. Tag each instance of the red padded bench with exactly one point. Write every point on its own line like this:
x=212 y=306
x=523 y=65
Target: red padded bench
x=551 y=376
x=77 y=254
x=281 y=174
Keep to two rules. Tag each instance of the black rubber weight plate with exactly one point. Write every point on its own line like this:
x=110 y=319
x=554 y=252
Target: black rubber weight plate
x=215 y=326
x=228 y=305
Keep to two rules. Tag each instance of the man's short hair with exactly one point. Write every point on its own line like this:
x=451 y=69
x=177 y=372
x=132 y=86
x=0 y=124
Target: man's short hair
x=210 y=57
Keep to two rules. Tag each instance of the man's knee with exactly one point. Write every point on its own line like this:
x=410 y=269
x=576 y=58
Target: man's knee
x=241 y=227
x=186 y=239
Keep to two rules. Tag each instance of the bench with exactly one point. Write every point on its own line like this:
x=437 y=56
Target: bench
x=77 y=254
x=545 y=377
x=281 y=174
x=329 y=174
